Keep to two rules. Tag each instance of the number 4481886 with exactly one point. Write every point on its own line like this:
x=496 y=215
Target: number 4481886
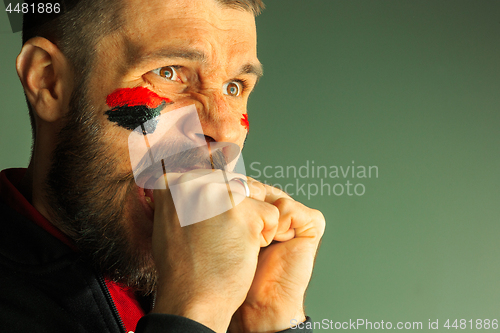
x=40 y=8
x=478 y=324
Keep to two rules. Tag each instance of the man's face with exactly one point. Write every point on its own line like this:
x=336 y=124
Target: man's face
x=191 y=52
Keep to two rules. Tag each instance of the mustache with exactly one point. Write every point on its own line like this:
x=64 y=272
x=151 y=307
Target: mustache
x=182 y=157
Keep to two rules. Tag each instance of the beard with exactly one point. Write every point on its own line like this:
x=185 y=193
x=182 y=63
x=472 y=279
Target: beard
x=86 y=196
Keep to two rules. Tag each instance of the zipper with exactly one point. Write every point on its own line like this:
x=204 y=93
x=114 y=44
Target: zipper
x=104 y=287
x=153 y=301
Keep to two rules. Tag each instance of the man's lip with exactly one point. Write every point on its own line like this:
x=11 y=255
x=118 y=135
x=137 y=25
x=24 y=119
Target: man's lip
x=148 y=193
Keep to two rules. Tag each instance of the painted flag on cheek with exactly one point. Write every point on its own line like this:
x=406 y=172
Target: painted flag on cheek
x=133 y=107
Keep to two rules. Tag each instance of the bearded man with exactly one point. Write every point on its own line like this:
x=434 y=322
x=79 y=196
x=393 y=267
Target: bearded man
x=83 y=247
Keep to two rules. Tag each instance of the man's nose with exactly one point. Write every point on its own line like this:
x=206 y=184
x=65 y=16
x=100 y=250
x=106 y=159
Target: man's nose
x=219 y=120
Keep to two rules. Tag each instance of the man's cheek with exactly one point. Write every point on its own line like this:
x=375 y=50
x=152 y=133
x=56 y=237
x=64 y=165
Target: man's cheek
x=134 y=107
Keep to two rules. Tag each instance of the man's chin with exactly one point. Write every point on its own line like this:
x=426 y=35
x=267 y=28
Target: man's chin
x=137 y=262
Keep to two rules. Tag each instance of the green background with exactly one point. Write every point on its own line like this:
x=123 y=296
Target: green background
x=409 y=86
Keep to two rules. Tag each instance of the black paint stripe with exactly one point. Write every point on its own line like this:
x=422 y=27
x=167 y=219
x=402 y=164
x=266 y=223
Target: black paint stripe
x=131 y=117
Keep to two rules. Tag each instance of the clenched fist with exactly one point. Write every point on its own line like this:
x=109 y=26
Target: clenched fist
x=246 y=268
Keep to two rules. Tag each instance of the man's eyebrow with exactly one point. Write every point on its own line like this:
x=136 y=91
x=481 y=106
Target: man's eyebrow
x=171 y=52
x=255 y=69
x=193 y=55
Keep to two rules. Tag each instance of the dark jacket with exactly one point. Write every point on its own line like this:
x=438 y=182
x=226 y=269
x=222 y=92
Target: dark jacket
x=45 y=286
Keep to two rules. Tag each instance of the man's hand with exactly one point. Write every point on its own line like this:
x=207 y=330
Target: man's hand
x=206 y=269
x=284 y=268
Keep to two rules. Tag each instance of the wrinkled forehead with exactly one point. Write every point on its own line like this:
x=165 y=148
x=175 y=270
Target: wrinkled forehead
x=220 y=32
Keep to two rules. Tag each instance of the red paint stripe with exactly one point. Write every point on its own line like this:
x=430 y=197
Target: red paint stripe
x=135 y=96
x=244 y=122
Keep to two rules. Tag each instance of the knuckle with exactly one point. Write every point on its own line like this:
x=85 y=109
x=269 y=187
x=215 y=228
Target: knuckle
x=257 y=189
x=283 y=203
x=278 y=191
x=211 y=189
x=318 y=220
x=205 y=190
x=255 y=226
x=273 y=212
x=252 y=179
x=185 y=177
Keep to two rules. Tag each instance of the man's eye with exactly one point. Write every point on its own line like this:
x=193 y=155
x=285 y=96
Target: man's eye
x=232 y=88
x=167 y=72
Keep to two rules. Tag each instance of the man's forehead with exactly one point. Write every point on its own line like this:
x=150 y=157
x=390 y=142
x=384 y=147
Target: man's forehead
x=165 y=28
x=210 y=10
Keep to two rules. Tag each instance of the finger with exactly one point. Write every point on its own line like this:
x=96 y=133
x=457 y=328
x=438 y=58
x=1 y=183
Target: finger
x=269 y=215
x=285 y=236
x=271 y=193
x=160 y=188
x=257 y=189
x=305 y=221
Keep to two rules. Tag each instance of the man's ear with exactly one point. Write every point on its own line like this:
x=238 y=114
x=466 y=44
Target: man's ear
x=46 y=76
